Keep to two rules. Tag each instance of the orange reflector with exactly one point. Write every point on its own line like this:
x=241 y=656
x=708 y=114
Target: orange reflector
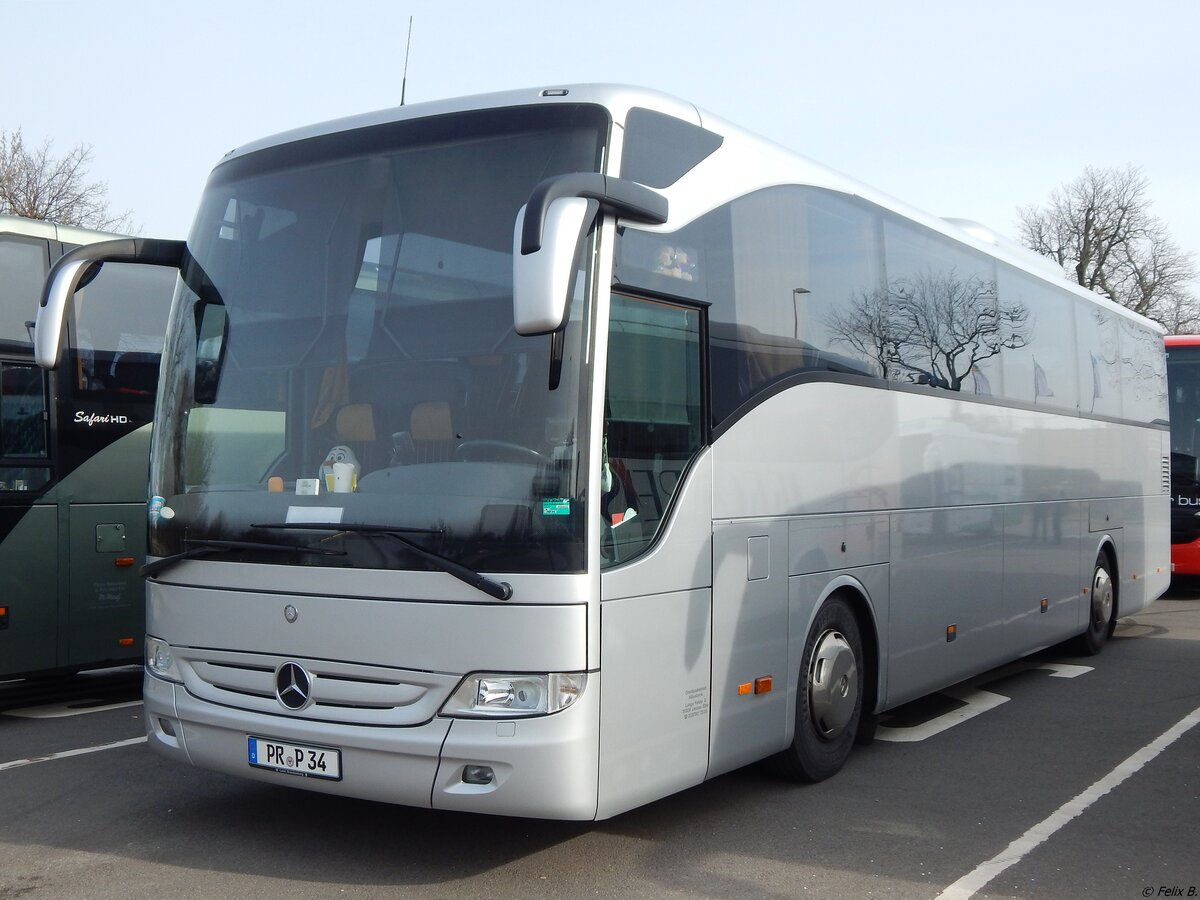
x=125 y=642
x=1085 y=590
x=3 y=610
x=1045 y=604
x=123 y=562
x=762 y=685
x=275 y=484
x=951 y=632
x=746 y=688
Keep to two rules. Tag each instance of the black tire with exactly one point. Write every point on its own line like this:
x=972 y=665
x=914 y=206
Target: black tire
x=829 y=696
x=1102 y=610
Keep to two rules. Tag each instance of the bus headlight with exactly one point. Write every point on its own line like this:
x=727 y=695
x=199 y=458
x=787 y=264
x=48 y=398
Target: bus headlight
x=160 y=661
x=486 y=695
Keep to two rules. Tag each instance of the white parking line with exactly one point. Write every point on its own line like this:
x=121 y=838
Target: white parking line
x=18 y=763
x=976 y=701
x=973 y=881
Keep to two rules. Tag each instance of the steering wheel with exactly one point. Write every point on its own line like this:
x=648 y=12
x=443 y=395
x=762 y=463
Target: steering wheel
x=497 y=451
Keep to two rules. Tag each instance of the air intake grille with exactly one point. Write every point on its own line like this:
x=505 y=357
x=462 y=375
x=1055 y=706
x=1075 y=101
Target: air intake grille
x=1166 y=474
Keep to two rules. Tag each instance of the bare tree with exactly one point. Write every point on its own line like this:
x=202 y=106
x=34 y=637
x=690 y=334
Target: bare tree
x=934 y=328
x=1100 y=230
x=37 y=185
x=867 y=327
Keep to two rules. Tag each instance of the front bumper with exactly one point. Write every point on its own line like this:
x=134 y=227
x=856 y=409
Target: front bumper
x=544 y=767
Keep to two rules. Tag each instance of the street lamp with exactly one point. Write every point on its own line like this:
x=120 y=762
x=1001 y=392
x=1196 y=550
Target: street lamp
x=796 y=292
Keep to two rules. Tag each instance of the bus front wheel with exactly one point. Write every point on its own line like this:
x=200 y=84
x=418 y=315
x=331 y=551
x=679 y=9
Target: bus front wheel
x=829 y=696
x=1102 y=609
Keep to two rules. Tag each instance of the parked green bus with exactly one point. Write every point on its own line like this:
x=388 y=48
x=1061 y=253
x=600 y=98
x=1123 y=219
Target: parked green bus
x=74 y=448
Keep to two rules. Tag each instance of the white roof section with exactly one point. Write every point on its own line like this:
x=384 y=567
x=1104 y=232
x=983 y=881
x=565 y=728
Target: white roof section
x=49 y=231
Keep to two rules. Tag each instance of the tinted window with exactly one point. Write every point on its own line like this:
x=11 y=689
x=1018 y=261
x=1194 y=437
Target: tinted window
x=23 y=266
x=944 y=325
x=1042 y=369
x=805 y=280
x=660 y=149
x=23 y=434
x=22 y=411
x=652 y=419
x=365 y=280
x=1097 y=331
x=120 y=319
x=777 y=266
x=1184 y=374
x=1143 y=374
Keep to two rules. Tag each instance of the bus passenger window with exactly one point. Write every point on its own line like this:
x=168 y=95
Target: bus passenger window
x=22 y=412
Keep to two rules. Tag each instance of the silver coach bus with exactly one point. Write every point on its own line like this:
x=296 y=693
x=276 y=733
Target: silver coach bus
x=548 y=452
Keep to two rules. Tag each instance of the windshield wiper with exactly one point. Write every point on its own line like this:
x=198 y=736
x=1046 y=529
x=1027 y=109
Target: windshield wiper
x=204 y=548
x=501 y=590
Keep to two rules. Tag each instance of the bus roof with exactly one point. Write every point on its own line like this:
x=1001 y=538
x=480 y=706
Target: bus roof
x=763 y=164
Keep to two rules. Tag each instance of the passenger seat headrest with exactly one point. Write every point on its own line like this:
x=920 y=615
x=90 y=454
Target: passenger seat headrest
x=356 y=422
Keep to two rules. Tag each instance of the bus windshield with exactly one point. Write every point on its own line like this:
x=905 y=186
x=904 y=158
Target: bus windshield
x=342 y=354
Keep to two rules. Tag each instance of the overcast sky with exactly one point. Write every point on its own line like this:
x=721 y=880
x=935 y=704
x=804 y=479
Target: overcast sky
x=958 y=107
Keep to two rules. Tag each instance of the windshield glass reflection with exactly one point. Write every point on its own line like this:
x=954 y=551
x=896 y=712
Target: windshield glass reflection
x=343 y=351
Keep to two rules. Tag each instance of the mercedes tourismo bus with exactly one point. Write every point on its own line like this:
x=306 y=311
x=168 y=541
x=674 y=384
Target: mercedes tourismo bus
x=1183 y=382
x=74 y=458
x=548 y=452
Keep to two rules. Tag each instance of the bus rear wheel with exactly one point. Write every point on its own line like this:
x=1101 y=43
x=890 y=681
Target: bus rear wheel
x=1102 y=609
x=829 y=696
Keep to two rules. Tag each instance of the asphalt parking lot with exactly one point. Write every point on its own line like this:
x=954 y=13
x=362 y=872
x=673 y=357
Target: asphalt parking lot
x=1055 y=777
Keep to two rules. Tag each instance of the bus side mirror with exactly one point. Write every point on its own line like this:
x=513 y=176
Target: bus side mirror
x=543 y=278
x=75 y=269
x=549 y=235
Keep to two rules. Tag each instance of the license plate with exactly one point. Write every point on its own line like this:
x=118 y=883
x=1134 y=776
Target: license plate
x=294 y=759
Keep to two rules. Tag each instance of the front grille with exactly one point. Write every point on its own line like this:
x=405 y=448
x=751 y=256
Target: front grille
x=341 y=692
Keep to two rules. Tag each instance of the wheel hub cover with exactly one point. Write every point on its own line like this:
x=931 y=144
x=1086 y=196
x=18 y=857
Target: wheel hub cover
x=832 y=684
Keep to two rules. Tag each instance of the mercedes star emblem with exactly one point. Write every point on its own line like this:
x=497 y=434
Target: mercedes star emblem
x=293 y=686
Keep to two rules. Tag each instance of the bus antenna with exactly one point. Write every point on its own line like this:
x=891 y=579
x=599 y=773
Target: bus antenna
x=407 y=45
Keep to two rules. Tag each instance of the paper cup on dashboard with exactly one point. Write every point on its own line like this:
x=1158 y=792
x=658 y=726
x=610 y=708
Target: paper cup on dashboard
x=343 y=478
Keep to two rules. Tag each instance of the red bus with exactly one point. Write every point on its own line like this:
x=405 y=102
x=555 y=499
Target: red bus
x=1183 y=384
